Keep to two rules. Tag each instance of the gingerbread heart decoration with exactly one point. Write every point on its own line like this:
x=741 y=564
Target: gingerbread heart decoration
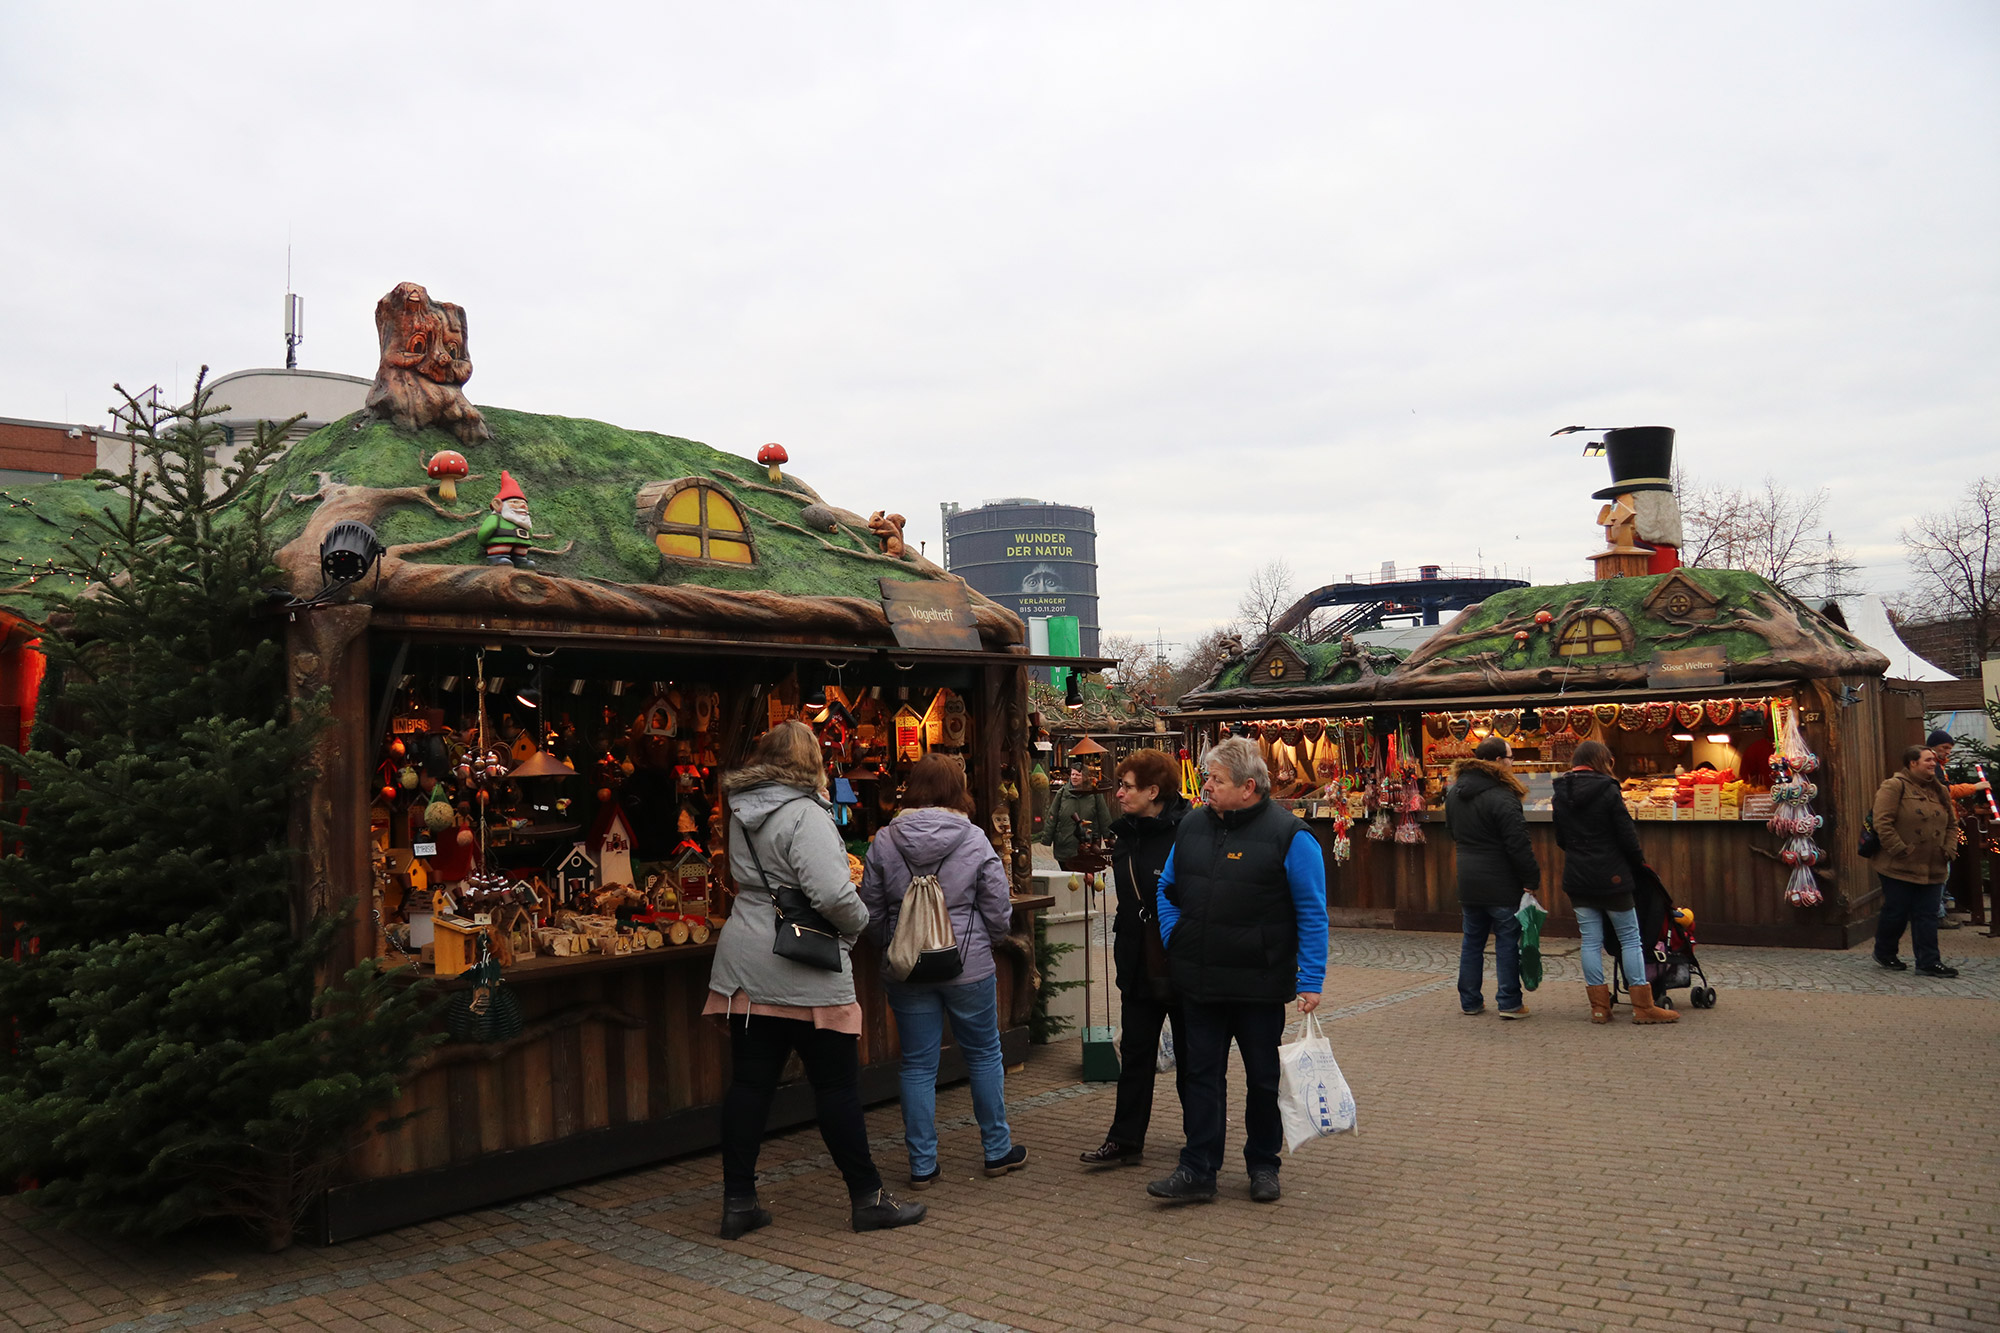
x=1460 y=726
x=1720 y=711
x=1608 y=714
x=1582 y=721
x=1687 y=714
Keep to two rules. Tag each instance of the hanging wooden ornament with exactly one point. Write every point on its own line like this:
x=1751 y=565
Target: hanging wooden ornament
x=704 y=707
x=1687 y=713
x=909 y=728
x=957 y=721
x=1720 y=711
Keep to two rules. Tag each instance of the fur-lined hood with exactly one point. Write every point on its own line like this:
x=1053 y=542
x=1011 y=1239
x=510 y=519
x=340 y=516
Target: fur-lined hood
x=1500 y=775
x=751 y=775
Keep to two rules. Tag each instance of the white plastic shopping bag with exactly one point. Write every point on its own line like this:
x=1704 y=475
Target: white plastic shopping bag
x=1313 y=1097
x=1165 y=1060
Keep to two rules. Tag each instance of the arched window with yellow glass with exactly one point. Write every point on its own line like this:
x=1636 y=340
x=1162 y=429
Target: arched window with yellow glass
x=1591 y=635
x=691 y=519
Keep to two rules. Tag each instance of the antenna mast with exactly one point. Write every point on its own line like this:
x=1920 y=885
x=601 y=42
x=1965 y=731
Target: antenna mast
x=295 y=317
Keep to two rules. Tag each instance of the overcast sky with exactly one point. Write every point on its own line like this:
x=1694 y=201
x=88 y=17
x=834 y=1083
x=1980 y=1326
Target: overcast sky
x=1253 y=280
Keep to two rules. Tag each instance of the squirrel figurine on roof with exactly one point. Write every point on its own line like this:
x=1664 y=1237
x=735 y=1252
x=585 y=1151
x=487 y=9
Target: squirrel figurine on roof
x=888 y=528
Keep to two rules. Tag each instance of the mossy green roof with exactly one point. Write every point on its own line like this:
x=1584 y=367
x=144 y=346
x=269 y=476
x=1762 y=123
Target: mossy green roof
x=37 y=525
x=1734 y=589
x=1322 y=659
x=581 y=479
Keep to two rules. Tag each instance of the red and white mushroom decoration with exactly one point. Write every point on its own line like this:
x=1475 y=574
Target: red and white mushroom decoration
x=447 y=468
x=771 y=456
x=1543 y=619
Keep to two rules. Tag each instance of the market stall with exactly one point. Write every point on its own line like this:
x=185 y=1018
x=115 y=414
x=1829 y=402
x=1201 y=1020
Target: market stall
x=1750 y=733
x=553 y=637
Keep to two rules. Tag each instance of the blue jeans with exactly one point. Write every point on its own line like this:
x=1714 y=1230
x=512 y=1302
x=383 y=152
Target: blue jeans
x=1631 y=954
x=975 y=1025
x=1501 y=923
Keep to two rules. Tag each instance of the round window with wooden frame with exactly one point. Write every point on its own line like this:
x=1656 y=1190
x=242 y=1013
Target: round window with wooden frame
x=691 y=519
x=1590 y=636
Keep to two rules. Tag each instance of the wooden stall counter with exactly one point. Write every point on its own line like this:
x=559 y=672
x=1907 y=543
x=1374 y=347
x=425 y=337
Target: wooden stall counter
x=615 y=1068
x=1727 y=871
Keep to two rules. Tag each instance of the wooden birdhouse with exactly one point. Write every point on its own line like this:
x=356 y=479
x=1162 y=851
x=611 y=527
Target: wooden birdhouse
x=689 y=873
x=909 y=733
x=575 y=876
x=611 y=843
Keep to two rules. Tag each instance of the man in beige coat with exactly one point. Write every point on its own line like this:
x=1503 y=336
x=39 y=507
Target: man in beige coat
x=1913 y=818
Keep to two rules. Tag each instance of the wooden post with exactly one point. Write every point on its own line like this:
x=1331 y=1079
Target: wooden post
x=329 y=666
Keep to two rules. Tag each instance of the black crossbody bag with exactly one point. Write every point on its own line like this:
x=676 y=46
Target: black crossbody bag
x=803 y=935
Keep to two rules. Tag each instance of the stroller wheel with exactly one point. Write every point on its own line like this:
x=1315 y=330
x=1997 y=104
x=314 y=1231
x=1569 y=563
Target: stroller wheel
x=1665 y=1002
x=1702 y=997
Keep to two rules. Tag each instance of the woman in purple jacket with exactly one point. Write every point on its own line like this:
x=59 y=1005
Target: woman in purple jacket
x=934 y=835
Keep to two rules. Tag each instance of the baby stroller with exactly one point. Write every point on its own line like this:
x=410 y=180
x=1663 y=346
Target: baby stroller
x=1668 y=946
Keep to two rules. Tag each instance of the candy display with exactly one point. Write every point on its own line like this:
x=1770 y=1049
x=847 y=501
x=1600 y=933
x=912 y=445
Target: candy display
x=1792 y=818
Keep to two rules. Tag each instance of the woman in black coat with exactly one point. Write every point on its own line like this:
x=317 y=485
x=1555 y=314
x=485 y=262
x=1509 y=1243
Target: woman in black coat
x=1148 y=794
x=1601 y=857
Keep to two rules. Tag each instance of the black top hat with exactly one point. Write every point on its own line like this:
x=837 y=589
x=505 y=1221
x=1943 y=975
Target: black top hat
x=1642 y=459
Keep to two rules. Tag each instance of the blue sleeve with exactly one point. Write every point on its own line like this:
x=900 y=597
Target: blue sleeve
x=1170 y=915
x=1305 y=868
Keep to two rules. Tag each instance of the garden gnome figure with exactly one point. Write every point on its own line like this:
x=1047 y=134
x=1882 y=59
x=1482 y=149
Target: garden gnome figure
x=506 y=532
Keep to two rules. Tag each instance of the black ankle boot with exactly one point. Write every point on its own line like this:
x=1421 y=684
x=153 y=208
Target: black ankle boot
x=881 y=1210
x=743 y=1215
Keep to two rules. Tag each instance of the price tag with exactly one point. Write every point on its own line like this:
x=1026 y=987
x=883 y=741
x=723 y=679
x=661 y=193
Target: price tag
x=423 y=849
x=482 y=918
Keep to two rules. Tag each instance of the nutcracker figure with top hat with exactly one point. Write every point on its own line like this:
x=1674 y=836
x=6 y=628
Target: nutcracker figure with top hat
x=1642 y=521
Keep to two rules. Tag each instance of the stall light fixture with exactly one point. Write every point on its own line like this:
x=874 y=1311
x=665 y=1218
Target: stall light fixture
x=576 y=686
x=449 y=684
x=617 y=689
x=1719 y=738
x=1073 y=695
x=1683 y=736
x=496 y=684
x=530 y=696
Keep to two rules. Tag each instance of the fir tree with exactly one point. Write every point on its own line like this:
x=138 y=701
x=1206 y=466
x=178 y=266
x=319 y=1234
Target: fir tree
x=174 y=1057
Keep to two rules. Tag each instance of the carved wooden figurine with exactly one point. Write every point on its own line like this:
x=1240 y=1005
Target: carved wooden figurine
x=424 y=363
x=888 y=529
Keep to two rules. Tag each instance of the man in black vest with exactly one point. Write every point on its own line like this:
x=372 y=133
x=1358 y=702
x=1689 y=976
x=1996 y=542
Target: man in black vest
x=1243 y=913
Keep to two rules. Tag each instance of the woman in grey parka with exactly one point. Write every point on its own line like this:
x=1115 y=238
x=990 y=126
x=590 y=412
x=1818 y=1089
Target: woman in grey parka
x=933 y=835
x=779 y=818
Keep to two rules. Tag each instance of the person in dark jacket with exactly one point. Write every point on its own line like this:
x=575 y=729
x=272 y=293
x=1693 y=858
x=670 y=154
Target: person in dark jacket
x=1496 y=864
x=933 y=834
x=1242 y=906
x=1148 y=793
x=1078 y=814
x=1601 y=854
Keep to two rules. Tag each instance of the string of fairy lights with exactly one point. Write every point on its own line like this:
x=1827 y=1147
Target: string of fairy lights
x=25 y=571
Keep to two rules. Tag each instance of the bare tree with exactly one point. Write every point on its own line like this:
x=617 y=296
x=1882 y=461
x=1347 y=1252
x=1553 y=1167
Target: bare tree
x=1199 y=662
x=1269 y=593
x=1776 y=532
x=1140 y=666
x=1955 y=567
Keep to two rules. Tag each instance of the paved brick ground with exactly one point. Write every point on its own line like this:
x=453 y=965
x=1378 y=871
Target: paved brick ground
x=1819 y=1152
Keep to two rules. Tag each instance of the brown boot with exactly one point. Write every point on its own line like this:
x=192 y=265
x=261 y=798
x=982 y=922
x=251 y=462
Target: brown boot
x=1600 y=1003
x=1645 y=1011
